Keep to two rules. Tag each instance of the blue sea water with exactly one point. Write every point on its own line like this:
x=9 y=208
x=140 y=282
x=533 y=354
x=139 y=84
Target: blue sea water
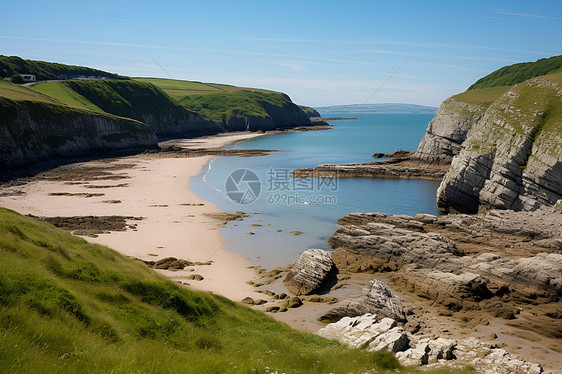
x=313 y=206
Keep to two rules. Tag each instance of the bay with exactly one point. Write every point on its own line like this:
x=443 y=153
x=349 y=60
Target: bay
x=290 y=215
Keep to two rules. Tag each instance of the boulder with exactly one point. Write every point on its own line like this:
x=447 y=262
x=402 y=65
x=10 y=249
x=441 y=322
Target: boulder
x=376 y=299
x=313 y=271
x=372 y=333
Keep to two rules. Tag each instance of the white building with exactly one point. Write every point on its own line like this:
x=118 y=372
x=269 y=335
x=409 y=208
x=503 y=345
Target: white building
x=28 y=77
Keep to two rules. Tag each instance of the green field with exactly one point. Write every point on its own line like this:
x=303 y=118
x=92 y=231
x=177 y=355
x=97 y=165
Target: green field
x=16 y=92
x=179 y=88
x=71 y=306
x=517 y=73
x=63 y=93
x=482 y=96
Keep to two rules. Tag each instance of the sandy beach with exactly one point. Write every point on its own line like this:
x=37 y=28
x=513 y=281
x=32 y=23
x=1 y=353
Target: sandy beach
x=175 y=221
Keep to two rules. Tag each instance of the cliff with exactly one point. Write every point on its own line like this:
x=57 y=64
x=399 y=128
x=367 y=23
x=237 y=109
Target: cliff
x=447 y=131
x=247 y=110
x=34 y=131
x=143 y=102
x=512 y=157
x=69 y=117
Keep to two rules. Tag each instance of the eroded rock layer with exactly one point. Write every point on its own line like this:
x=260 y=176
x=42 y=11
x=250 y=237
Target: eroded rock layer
x=497 y=262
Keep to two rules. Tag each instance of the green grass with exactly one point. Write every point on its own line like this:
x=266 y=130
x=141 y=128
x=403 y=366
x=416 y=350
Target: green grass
x=222 y=106
x=70 y=306
x=535 y=113
x=517 y=73
x=483 y=96
x=16 y=92
x=179 y=88
x=48 y=70
x=63 y=93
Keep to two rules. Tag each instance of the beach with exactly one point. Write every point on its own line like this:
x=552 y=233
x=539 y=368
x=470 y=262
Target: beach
x=175 y=222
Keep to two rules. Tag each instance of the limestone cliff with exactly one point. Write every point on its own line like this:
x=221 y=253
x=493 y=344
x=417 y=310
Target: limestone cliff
x=34 y=131
x=512 y=157
x=447 y=131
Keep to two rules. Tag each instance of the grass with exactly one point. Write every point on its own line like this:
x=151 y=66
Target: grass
x=535 y=113
x=179 y=88
x=16 y=92
x=64 y=94
x=71 y=306
x=483 y=96
x=222 y=106
x=517 y=73
x=48 y=70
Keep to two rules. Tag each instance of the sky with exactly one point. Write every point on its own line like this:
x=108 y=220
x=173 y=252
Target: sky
x=318 y=52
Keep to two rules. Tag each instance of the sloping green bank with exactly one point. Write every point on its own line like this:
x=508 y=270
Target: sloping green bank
x=49 y=70
x=70 y=306
x=517 y=73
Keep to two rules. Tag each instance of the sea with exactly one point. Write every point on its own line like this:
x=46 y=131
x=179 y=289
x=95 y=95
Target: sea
x=289 y=215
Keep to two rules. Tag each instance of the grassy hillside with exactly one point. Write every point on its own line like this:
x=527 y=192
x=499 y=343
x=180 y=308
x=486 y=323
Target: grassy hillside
x=220 y=101
x=178 y=88
x=222 y=106
x=482 y=96
x=71 y=306
x=123 y=98
x=15 y=92
x=517 y=73
x=48 y=70
x=63 y=93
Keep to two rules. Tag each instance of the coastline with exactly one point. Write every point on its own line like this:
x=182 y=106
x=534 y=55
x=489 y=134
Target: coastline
x=175 y=222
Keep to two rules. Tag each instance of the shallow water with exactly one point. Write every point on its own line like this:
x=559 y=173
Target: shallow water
x=313 y=206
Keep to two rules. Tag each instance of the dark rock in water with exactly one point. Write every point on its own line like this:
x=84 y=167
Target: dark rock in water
x=397 y=154
x=376 y=299
x=313 y=271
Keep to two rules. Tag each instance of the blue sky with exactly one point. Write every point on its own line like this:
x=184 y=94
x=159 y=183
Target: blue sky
x=318 y=52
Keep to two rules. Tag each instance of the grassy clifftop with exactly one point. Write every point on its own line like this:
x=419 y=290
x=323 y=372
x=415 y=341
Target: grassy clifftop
x=71 y=306
x=220 y=102
x=48 y=70
x=517 y=73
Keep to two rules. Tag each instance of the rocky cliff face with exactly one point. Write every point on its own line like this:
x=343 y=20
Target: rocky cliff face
x=278 y=117
x=31 y=132
x=512 y=157
x=447 y=131
x=496 y=264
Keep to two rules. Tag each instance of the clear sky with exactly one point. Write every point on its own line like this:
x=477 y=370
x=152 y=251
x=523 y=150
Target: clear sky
x=318 y=52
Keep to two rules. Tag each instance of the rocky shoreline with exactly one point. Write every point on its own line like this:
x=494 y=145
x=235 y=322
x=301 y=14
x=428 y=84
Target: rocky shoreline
x=437 y=284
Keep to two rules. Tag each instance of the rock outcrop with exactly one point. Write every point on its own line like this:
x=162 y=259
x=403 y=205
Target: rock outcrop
x=373 y=333
x=34 y=131
x=511 y=158
x=313 y=271
x=376 y=299
x=497 y=262
x=384 y=169
x=447 y=131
